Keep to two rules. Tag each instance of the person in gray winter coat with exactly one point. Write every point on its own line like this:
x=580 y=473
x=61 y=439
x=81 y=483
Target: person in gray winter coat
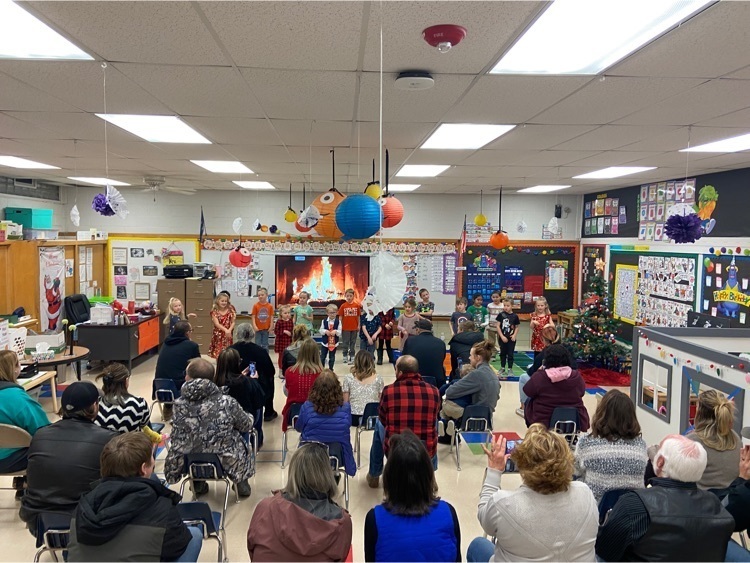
x=207 y=421
x=481 y=383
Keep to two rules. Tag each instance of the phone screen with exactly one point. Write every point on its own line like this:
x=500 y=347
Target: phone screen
x=510 y=445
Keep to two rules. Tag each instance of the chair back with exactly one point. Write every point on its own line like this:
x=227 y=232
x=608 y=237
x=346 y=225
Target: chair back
x=336 y=455
x=429 y=379
x=293 y=414
x=14 y=437
x=608 y=502
x=476 y=418
x=77 y=308
x=53 y=530
x=564 y=420
x=204 y=467
x=197 y=512
x=164 y=391
x=369 y=416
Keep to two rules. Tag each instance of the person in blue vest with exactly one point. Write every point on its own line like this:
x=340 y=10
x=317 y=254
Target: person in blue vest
x=412 y=524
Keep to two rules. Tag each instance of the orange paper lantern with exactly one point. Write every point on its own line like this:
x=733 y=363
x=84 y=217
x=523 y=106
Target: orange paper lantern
x=499 y=240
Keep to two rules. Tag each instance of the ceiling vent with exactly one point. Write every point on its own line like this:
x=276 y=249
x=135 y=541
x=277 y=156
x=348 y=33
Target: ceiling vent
x=414 y=80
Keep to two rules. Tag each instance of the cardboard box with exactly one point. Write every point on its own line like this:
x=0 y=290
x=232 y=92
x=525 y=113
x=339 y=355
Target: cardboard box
x=102 y=315
x=30 y=218
x=56 y=341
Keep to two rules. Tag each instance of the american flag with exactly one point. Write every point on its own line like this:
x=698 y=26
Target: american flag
x=202 y=232
x=463 y=237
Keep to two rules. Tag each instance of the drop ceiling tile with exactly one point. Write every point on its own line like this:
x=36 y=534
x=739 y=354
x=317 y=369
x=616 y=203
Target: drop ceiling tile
x=320 y=133
x=68 y=125
x=236 y=130
x=15 y=95
x=554 y=157
x=538 y=137
x=609 y=137
x=486 y=157
x=739 y=118
x=612 y=158
x=678 y=139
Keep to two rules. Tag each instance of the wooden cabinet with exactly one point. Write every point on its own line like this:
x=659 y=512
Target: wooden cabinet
x=197 y=296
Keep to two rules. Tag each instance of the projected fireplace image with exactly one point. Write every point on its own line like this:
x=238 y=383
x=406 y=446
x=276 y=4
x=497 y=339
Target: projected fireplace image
x=325 y=278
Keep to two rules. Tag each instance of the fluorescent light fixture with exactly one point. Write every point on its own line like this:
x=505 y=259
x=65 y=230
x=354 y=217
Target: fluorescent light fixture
x=732 y=144
x=223 y=166
x=542 y=189
x=156 y=128
x=16 y=162
x=97 y=181
x=613 y=172
x=254 y=185
x=464 y=135
x=588 y=36
x=402 y=187
x=25 y=37
x=422 y=170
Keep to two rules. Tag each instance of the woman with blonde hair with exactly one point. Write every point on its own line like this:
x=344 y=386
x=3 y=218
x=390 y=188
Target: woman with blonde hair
x=301 y=376
x=714 y=422
x=301 y=522
x=289 y=358
x=548 y=499
x=363 y=385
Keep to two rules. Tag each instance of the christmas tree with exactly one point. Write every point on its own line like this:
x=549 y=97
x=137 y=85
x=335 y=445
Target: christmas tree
x=593 y=338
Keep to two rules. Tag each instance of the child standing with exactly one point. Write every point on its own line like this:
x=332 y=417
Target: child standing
x=262 y=316
x=283 y=331
x=507 y=330
x=477 y=311
x=425 y=308
x=303 y=313
x=387 y=322
x=222 y=317
x=349 y=314
x=493 y=310
x=540 y=318
x=330 y=328
x=460 y=315
x=175 y=313
x=369 y=331
x=407 y=321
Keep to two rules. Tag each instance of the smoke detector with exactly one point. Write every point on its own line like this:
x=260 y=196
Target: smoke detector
x=414 y=80
x=444 y=37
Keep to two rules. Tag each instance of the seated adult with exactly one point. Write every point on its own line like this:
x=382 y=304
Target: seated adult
x=410 y=403
x=549 y=517
x=672 y=520
x=129 y=516
x=174 y=357
x=714 y=423
x=736 y=500
x=300 y=377
x=555 y=385
x=302 y=522
x=613 y=455
x=245 y=388
x=17 y=408
x=549 y=336
x=289 y=356
x=251 y=353
x=325 y=417
x=481 y=384
x=460 y=345
x=64 y=456
x=428 y=350
x=412 y=524
x=118 y=409
x=207 y=421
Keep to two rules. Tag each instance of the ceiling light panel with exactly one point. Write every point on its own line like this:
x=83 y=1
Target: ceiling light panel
x=16 y=162
x=422 y=170
x=25 y=37
x=464 y=135
x=402 y=187
x=542 y=189
x=254 y=185
x=156 y=128
x=223 y=166
x=588 y=36
x=97 y=181
x=732 y=144
x=614 y=172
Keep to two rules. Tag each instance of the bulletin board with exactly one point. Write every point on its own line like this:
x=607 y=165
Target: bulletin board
x=611 y=215
x=134 y=262
x=589 y=255
x=524 y=272
x=726 y=288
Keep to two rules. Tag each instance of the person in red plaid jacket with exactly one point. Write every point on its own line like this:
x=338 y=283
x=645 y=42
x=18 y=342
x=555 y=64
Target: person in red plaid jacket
x=388 y=321
x=408 y=403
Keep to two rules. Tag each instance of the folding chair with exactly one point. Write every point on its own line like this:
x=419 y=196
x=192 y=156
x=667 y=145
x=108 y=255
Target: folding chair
x=291 y=418
x=52 y=534
x=212 y=523
x=13 y=437
x=164 y=394
x=367 y=423
x=565 y=421
x=476 y=418
x=609 y=499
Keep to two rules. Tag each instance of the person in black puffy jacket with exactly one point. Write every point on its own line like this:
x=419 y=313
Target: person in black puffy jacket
x=175 y=355
x=460 y=345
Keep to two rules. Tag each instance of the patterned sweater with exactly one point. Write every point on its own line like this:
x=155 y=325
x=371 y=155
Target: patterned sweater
x=605 y=465
x=129 y=417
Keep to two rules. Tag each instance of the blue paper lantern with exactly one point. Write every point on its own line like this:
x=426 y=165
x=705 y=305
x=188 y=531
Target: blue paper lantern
x=358 y=216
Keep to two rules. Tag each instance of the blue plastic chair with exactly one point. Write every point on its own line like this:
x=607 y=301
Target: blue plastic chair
x=164 y=394
x=52 y=534
x=476 y=418
x=367 y=423
x=291 y=417
x=211 y=522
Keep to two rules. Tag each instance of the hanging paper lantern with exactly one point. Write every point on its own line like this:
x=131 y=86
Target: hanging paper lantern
x=373 y=190
x=274 y=229
x=499 y=240
x=393 y=211
x=240 y=257
x=290 y=216
x=480 y=220
x=683 y=228
x=358 y=217
x=326 y=205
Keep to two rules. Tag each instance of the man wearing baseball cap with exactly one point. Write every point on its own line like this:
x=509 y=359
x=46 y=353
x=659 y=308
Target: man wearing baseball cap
x=428 y=350
x=64 y=457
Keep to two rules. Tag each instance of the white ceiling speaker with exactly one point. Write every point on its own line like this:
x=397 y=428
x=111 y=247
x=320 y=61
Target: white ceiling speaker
x=414 y=80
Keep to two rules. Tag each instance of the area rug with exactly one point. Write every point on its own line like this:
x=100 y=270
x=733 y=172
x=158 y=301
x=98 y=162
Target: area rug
x=600 y=377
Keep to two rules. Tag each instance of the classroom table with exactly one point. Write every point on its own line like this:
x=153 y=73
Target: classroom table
x=37 y=380
x=62 y=360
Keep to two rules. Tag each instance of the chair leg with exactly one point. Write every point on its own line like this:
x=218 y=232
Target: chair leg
x=346 y=490
x=283 y=450
x=358 y=448
x=458 y=451
x=38 y=553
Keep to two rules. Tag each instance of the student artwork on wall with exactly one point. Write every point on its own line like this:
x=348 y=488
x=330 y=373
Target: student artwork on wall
x=726 y=291
x=591 y=254
x=625 y=295
x=666 y=289
x=606 y=214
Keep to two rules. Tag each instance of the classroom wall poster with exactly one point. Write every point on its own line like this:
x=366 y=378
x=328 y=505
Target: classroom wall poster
x=483 y=276
x=727 y=292
x=51 y=287
x=625 y=297
x=450 y=261
x=556 y=275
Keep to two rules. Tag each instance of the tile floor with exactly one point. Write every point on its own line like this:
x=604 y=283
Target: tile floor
x=460 y=488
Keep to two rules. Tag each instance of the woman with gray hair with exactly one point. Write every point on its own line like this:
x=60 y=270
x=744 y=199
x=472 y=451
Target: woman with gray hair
x=255 y=357
x=305 y=504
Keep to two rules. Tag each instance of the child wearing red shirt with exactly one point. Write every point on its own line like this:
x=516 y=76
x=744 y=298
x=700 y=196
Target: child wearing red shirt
x=349 y=314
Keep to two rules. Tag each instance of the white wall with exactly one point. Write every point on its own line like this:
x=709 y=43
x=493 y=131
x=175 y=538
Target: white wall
x=60 y=210
x=436 y=216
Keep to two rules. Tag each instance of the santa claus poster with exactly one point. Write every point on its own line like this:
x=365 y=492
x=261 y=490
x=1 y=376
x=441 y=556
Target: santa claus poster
x=52 y=289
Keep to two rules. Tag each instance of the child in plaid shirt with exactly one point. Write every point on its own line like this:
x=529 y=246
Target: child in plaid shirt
x=283 y=331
